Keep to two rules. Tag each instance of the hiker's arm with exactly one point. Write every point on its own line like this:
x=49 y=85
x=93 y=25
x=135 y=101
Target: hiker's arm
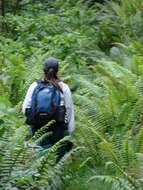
x=69 y=110
x=28 y=97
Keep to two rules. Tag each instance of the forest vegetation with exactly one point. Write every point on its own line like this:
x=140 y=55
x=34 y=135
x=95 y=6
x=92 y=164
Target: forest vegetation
x=100 y=48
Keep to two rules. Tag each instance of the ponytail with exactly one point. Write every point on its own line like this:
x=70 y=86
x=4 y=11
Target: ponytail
x=51 y=76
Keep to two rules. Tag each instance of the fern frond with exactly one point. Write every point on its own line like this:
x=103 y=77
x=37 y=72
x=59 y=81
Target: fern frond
x=134 y=183
x=41 y=131
x=139 y=141
x=115 y=182
x=49 y=159
x=108 y=146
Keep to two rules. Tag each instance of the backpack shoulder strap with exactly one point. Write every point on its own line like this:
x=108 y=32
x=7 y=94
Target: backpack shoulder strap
x=40 y=86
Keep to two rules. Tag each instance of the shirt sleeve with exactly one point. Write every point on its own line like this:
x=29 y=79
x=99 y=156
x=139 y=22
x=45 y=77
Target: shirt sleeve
x=69 y=109
x=28 y=97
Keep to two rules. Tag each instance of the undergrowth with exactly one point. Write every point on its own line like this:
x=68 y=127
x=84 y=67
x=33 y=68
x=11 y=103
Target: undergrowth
x=99 y=47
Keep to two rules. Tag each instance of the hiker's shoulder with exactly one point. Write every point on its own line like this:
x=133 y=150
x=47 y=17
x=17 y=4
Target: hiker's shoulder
x=33 y=85
x=64 y=86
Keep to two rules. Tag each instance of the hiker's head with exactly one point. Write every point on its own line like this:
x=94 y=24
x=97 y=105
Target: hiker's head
x=51 y=63
x=51 y=68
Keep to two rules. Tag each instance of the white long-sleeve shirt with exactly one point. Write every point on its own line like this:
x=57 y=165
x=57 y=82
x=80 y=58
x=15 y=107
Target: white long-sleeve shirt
x=67 y=101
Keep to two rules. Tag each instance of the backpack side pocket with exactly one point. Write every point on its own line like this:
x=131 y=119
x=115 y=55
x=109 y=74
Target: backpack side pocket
x=60 y=114
x=29 y=116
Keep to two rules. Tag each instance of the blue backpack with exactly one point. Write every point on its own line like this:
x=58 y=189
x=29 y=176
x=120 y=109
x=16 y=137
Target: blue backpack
x=45 y=103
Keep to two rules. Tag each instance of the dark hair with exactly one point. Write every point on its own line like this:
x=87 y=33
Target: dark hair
x=51 y=76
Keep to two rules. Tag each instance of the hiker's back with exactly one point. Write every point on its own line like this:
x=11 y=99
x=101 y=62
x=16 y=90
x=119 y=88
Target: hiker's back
x=50 y=99
x=46 y=100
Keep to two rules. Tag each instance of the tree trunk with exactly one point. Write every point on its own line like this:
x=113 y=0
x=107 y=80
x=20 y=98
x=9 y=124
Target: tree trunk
x=2 y=7
x=16 y=6
x=2 y=13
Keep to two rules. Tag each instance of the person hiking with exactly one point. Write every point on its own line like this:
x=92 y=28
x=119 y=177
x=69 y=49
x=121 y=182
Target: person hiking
x=50 y=99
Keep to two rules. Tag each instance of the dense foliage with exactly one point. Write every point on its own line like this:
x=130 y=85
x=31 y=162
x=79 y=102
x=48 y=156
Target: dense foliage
x=101 y=58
